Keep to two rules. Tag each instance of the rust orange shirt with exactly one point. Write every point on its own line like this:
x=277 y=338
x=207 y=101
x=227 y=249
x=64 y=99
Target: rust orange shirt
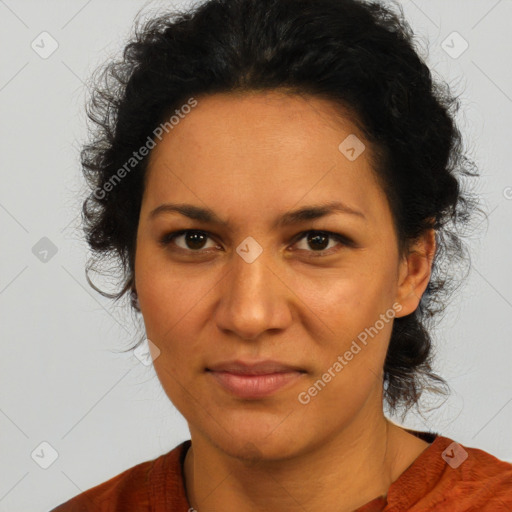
x=446 y=477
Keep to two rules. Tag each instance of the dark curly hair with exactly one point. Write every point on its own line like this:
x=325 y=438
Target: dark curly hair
x=360 y=56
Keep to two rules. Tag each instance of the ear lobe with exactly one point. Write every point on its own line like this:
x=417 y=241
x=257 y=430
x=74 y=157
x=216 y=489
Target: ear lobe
x=415 y=272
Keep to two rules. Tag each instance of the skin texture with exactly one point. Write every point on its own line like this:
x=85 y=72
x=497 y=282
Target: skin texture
x=251 y=158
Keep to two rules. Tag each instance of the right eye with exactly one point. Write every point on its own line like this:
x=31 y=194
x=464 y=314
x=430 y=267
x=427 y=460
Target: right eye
x=193 y=240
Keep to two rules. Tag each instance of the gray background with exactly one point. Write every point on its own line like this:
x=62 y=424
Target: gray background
x=62 y=380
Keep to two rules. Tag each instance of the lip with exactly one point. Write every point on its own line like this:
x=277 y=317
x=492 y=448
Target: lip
x=254 y=380
x=264 y=367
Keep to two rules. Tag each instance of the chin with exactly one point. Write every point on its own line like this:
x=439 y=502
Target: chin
x=256 y=450
x=256 y=442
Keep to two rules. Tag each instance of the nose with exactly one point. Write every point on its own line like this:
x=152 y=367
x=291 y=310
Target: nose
x=253 y=299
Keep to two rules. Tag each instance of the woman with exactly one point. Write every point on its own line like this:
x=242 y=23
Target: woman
x=282 y=183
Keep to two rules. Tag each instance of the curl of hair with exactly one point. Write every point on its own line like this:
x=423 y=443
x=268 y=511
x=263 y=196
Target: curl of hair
x=360 y=56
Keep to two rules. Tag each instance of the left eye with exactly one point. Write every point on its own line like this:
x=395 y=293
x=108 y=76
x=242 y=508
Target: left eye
x=194 y=240
x=320 y=240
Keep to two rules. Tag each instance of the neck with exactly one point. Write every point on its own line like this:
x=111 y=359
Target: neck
x=342 y=473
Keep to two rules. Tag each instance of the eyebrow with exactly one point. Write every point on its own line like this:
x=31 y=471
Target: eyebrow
x=208 y=216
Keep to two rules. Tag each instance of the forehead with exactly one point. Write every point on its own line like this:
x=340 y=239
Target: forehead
x=258 y=120
x=262 y=152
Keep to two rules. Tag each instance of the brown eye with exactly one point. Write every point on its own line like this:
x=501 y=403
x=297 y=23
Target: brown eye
x=318 y=242
x=193 y=240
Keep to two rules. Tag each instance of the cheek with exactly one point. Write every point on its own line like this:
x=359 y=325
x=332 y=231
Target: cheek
x=351 y=359
x=165 y=294
x=170 y=311
x=172 y=323
x=356 y=307
x=172 y=305
x=347 y=299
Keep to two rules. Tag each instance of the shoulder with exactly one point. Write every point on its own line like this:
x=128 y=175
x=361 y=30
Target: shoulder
x=485 y=479
x=460 y=478
x=135 y=489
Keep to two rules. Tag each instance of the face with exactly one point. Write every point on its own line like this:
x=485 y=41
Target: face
x=248 y=287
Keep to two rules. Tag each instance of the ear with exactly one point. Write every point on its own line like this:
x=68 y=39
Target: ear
x=414 y=272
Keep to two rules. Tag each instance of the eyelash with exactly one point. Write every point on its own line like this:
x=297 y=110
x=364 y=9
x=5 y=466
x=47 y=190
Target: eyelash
x=343 y=240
